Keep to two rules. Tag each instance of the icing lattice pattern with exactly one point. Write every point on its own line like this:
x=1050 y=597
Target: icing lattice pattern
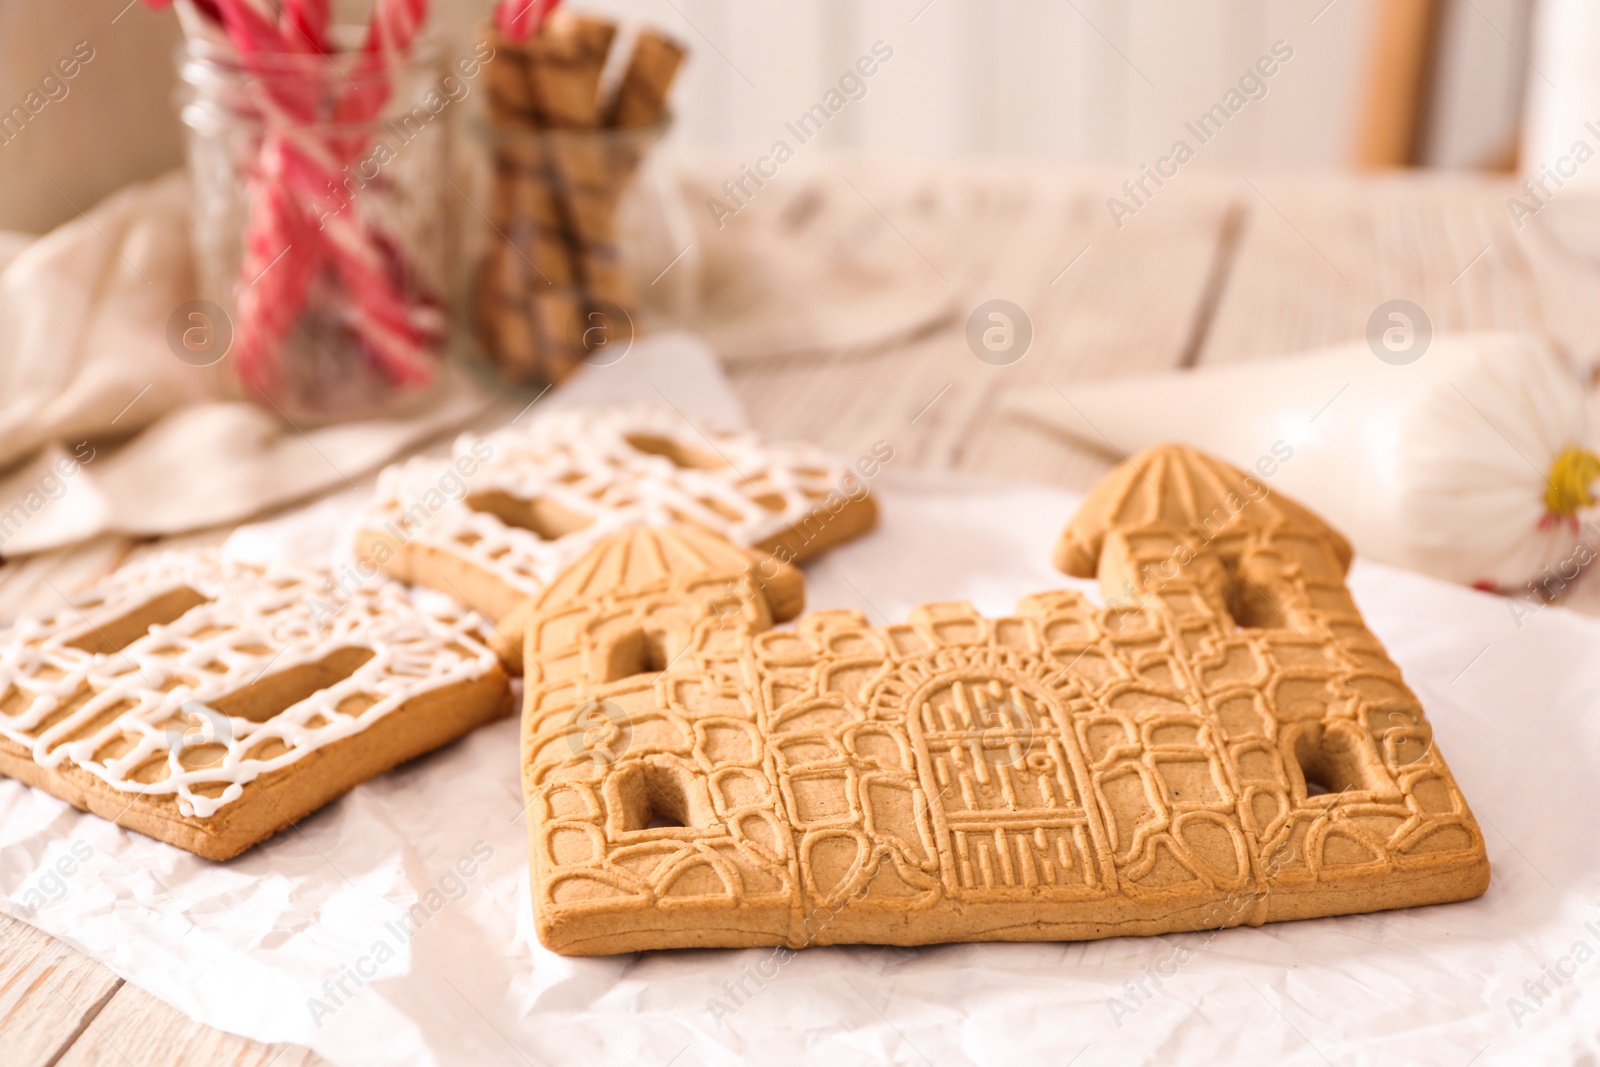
x=592 y=472
x=169 y=711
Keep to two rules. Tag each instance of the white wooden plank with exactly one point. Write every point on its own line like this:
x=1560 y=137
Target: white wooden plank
x=914 y=96
x=1478 y=86
x=1107 y=92
x=1129 y=303
x=1320 y=254
x=1040 y=84
x=137 y=1030
x=49 y=994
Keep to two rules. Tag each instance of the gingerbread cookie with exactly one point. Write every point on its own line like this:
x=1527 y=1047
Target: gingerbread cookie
x=1225 y=744
x=210 y=704
x=500 y=519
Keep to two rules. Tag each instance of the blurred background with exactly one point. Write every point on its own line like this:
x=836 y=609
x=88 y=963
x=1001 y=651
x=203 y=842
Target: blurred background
x=1371 y=83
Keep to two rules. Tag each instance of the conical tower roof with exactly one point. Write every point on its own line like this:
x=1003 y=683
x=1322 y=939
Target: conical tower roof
x=649 y=559
x=1177 y=488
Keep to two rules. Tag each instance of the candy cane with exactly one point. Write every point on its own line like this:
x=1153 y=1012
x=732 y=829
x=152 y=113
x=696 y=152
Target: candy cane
x=279 y=240
x=394 y=28
x=306 y=21
x=284 y=253
x=395 y=24
x=207 y=8
x=520 y=19
x=283 y=256
x=266 y=314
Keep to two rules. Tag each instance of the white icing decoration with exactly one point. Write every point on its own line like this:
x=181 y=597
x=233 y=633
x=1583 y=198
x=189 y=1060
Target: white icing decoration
x=259 y=621
x=582 y=462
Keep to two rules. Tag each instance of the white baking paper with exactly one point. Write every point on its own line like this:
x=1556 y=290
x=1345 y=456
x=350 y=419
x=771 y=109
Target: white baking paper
x=305 y=939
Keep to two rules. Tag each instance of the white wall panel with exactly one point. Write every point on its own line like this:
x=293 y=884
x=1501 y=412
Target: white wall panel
x=1076 y=79
x=1048 y=78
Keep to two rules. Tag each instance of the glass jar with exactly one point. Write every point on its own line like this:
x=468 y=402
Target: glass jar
x=319 y=227
x=579 y=241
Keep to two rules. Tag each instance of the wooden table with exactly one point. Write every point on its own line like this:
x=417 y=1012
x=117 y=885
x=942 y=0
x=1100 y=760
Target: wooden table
x=1213 y=269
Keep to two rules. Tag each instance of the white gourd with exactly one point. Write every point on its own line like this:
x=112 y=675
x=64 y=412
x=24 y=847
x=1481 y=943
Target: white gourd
x=1475 y=463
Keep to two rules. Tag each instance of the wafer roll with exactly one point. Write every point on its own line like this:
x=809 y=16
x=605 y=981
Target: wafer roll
x=557 y=184
x=564 y=63
x=520 y=188
x=557 y=318
x=549 y=80
x=505 y=328
x=641 y=98
x=606 y=275
x=510 y=96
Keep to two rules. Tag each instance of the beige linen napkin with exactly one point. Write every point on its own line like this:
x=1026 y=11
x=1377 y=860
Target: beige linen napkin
x=83 y=314
x=84 y=364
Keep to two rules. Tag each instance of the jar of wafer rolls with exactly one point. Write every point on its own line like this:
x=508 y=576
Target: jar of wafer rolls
x=319 y=224
x=583 y=241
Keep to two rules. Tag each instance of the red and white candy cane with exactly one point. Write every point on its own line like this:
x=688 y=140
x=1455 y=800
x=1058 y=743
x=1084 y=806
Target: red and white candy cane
x=286 y=244
x=307 y=21
x=520 y=19
x=403 y=333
